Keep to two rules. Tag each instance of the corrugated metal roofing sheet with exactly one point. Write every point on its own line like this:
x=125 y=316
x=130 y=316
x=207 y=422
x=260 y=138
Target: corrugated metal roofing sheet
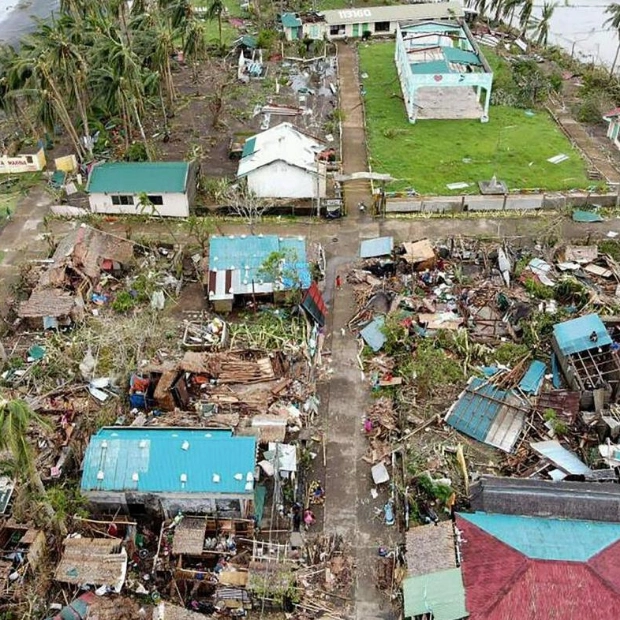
x=373 y=335
x=560 y=457
x=212 y=461
x=548 y=539
x=283 y=142
x=574 y=336
x=533 y=378
x=290 y=20
x=432 y=66
x=248 y=147
x=464 y=57
x=246 y=255
x=502 y=584
x=150 y=177
x=381 y=246
x=441 y=594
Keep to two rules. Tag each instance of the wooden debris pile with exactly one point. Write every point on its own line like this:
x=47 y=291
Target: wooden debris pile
x=325 y=580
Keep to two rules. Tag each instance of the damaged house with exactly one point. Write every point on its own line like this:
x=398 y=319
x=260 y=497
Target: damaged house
x=363 y=21
x=282 y=162
x=588 y=358
x=170 y=470
x=94 y=562
x=74 y=270
x=442 y=71
x=237 y=268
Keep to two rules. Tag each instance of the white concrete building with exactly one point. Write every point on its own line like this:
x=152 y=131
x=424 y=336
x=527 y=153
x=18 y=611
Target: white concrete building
x=282 y=162
x=442 y=71
x=354 y=22
x=120 y=188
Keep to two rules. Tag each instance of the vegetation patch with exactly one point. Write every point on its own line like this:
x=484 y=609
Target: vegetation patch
x=514 y=145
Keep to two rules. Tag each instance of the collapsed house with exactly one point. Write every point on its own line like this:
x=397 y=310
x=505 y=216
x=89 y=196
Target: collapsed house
x=283 y=162
x=81 y=258
x=170 y=470
x=99 y=562
x=201 y=382
x=21 y=549
x=588 y=358
x=239 y=268
x=442 y=71
x=29 y=160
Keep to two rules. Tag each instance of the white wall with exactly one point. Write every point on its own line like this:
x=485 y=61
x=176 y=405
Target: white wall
x=175 y=205
x=280 y=180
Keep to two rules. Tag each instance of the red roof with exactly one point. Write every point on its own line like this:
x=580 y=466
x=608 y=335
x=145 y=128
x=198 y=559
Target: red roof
x=503 y=584
x=611 y=113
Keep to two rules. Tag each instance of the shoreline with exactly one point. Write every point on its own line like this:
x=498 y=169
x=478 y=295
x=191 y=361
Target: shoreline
x=19 y=19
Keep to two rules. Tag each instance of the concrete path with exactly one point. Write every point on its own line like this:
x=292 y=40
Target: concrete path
x=349 y=509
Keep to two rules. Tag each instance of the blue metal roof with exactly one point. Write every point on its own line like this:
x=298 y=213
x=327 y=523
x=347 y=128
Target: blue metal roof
x=160 y=456
x=548 y=539
x=290 y=20
x=373 y=333
x=248 y=147
x=473 y=414
x=248 y=254
x=381 y=246
x=574 y=336
x=432 y=66
x=533 y=378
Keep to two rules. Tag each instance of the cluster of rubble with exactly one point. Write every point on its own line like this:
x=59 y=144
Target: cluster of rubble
x=532 y=333
x=192 y=440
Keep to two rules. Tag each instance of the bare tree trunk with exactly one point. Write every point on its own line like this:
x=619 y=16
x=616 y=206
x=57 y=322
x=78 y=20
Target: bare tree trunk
x=50 y=513
x=613 y=64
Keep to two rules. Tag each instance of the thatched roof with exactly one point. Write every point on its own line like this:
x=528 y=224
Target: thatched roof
x=51 y=302
x=85 y=248
x=543 y=498
x=430 y=548
x=189 y=536
x=95 y=561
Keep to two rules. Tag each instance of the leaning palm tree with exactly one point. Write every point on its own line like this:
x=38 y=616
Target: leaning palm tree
x=16 y=417
x=540 y=27
x=613 y=22
x=215 y=11
x=527 y=7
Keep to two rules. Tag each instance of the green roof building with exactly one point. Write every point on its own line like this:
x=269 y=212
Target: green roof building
x=142 y=188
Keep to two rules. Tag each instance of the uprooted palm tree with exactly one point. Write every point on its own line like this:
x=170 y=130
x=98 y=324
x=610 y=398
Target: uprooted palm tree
x=16 y=417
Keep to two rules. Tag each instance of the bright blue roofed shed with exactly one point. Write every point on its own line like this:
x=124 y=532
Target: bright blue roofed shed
x=170 y=462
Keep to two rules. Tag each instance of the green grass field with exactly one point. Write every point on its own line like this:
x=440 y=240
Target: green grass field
x=229 y=33
x=428 y=155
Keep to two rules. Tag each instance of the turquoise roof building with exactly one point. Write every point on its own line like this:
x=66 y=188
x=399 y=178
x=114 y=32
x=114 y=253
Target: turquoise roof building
x=196 y=470
x=120 y=187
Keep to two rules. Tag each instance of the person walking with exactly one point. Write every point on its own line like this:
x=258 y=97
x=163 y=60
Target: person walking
x=338 y=282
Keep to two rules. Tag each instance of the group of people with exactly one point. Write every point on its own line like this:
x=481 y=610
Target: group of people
x=307 y=516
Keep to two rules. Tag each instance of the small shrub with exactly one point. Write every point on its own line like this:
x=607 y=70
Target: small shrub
x=123 y=302
x=136 y=152
x=590 y=111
